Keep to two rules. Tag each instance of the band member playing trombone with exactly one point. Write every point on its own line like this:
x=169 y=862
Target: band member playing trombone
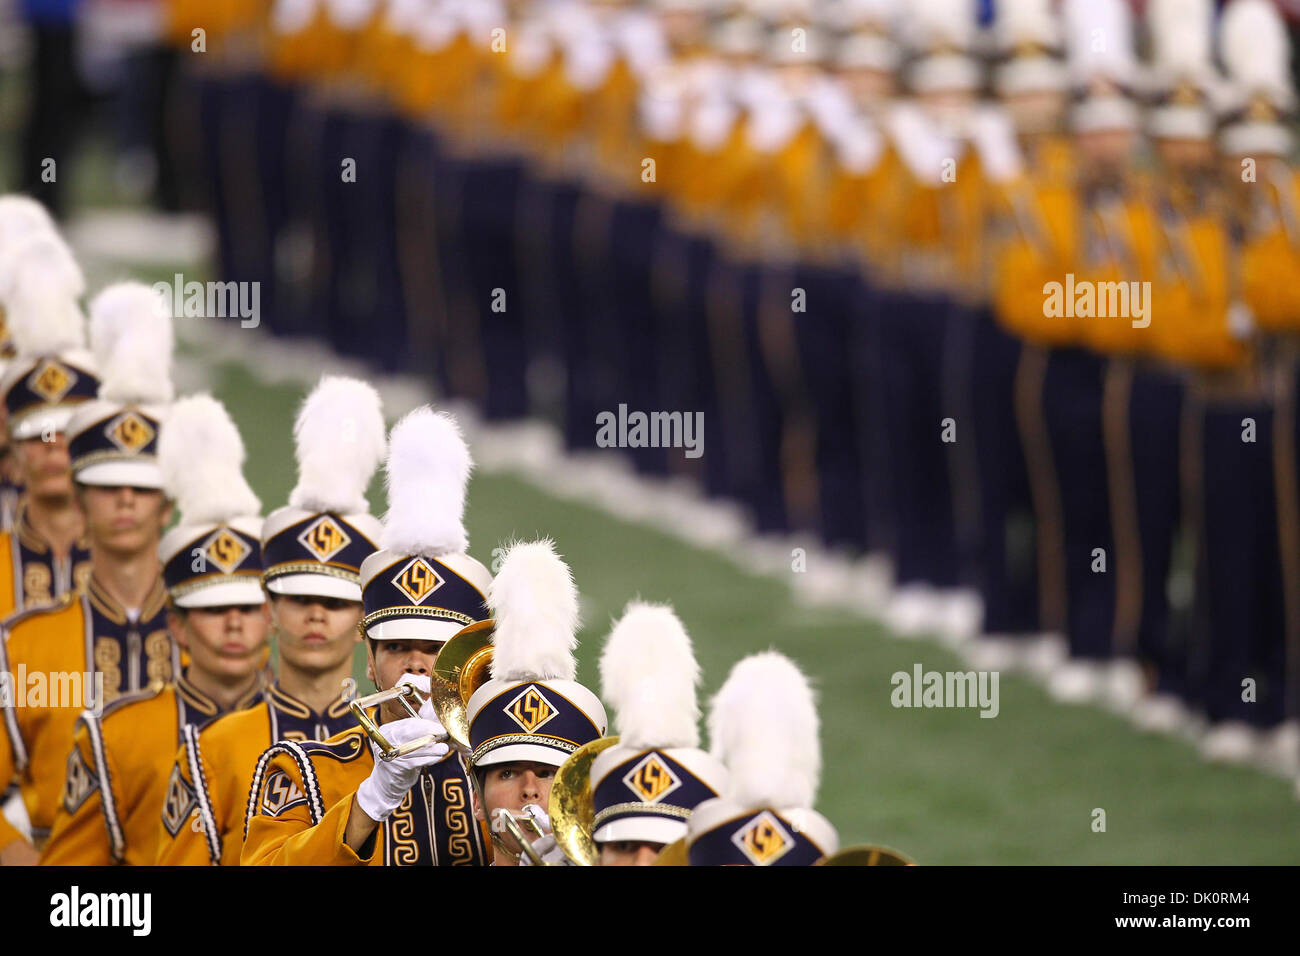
x=340 y=801
x=312 y=550
x=531 y=715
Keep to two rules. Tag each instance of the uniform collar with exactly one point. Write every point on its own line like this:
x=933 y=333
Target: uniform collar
x=293 y=707
x=32 y=539
x=106 y=605
x=197 y=700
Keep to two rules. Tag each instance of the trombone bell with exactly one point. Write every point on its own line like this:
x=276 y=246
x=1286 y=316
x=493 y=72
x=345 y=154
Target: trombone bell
x=461 y=668
x=409 y=697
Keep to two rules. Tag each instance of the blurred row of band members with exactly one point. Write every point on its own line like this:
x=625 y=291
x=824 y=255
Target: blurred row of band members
x=977 y=288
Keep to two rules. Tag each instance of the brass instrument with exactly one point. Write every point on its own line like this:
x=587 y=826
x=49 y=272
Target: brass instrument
x=674 y=854
x=410 y=698
x=461 y=668
x=504 y=820
x=570 y=804
x=866 y=854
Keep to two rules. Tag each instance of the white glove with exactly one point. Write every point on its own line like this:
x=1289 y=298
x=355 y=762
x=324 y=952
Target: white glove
x=384 y=790
x=552 y=853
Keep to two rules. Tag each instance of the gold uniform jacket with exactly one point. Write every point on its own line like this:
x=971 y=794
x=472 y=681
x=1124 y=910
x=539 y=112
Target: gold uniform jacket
x=82 y=635
x=31 y=575
x=302 y=794
x=203 y=821
x=117 y=775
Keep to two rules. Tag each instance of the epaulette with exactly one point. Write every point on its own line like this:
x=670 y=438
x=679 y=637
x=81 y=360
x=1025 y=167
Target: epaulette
x=59 y=604
x=345 y=746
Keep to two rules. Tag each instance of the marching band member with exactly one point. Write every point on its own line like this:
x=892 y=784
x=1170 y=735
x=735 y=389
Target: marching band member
x=526 y=720
x=44 y=556
x=312 y=550
x=645 y=787
x=1243 y=489
x=115 y=628
x=336 y=801
x=763 y=727
x=117 y=784
x=1190 y=347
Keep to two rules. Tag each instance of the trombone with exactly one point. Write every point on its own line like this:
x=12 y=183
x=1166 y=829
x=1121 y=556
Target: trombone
x=462 y=667
x=409 y=696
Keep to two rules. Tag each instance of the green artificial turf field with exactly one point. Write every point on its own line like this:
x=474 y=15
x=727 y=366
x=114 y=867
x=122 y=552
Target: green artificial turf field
x=943 y=785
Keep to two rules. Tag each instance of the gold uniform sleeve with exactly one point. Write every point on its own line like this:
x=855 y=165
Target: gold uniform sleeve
x=281 y=832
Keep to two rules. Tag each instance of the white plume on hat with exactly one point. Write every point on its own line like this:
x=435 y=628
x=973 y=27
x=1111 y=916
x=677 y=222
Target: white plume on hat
x=1099 y=34
x=1255 y=50
x=935 y=23
x=131 y=336
x=763 y=726
x=1181 y=38
x=20 y=217
x=535 y=605
x=40 y=283
x=339 y=440
x=1026 y=21
x=201 y=457
x=427 y=472
x=648 y=674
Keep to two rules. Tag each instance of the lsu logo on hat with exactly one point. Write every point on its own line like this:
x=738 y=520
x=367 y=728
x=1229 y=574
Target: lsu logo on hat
x=324 y=538
x=651 y=779
x=417 y=580
x=226 y=550
x=763 y=840
x=129 y=432
x=52 y=380
x=530 y=709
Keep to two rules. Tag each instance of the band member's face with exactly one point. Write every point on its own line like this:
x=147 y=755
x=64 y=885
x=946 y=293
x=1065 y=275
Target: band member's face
x=387 y=661
x=629 y=853
x=224 y=642
x=124 y=520
x=512 y=786
x=1186 y=154
x=316 y=634
x=45 y=467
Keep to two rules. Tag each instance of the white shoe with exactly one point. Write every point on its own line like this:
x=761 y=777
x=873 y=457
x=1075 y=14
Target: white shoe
x=912 y=610
x=1125 y=685
x=1044 y=654
x=872 y=586
x=959 y=615
x=1161 y=714
x=1077 y=682
x=993 y=652
x=1279 y=750
x=1232 y=741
